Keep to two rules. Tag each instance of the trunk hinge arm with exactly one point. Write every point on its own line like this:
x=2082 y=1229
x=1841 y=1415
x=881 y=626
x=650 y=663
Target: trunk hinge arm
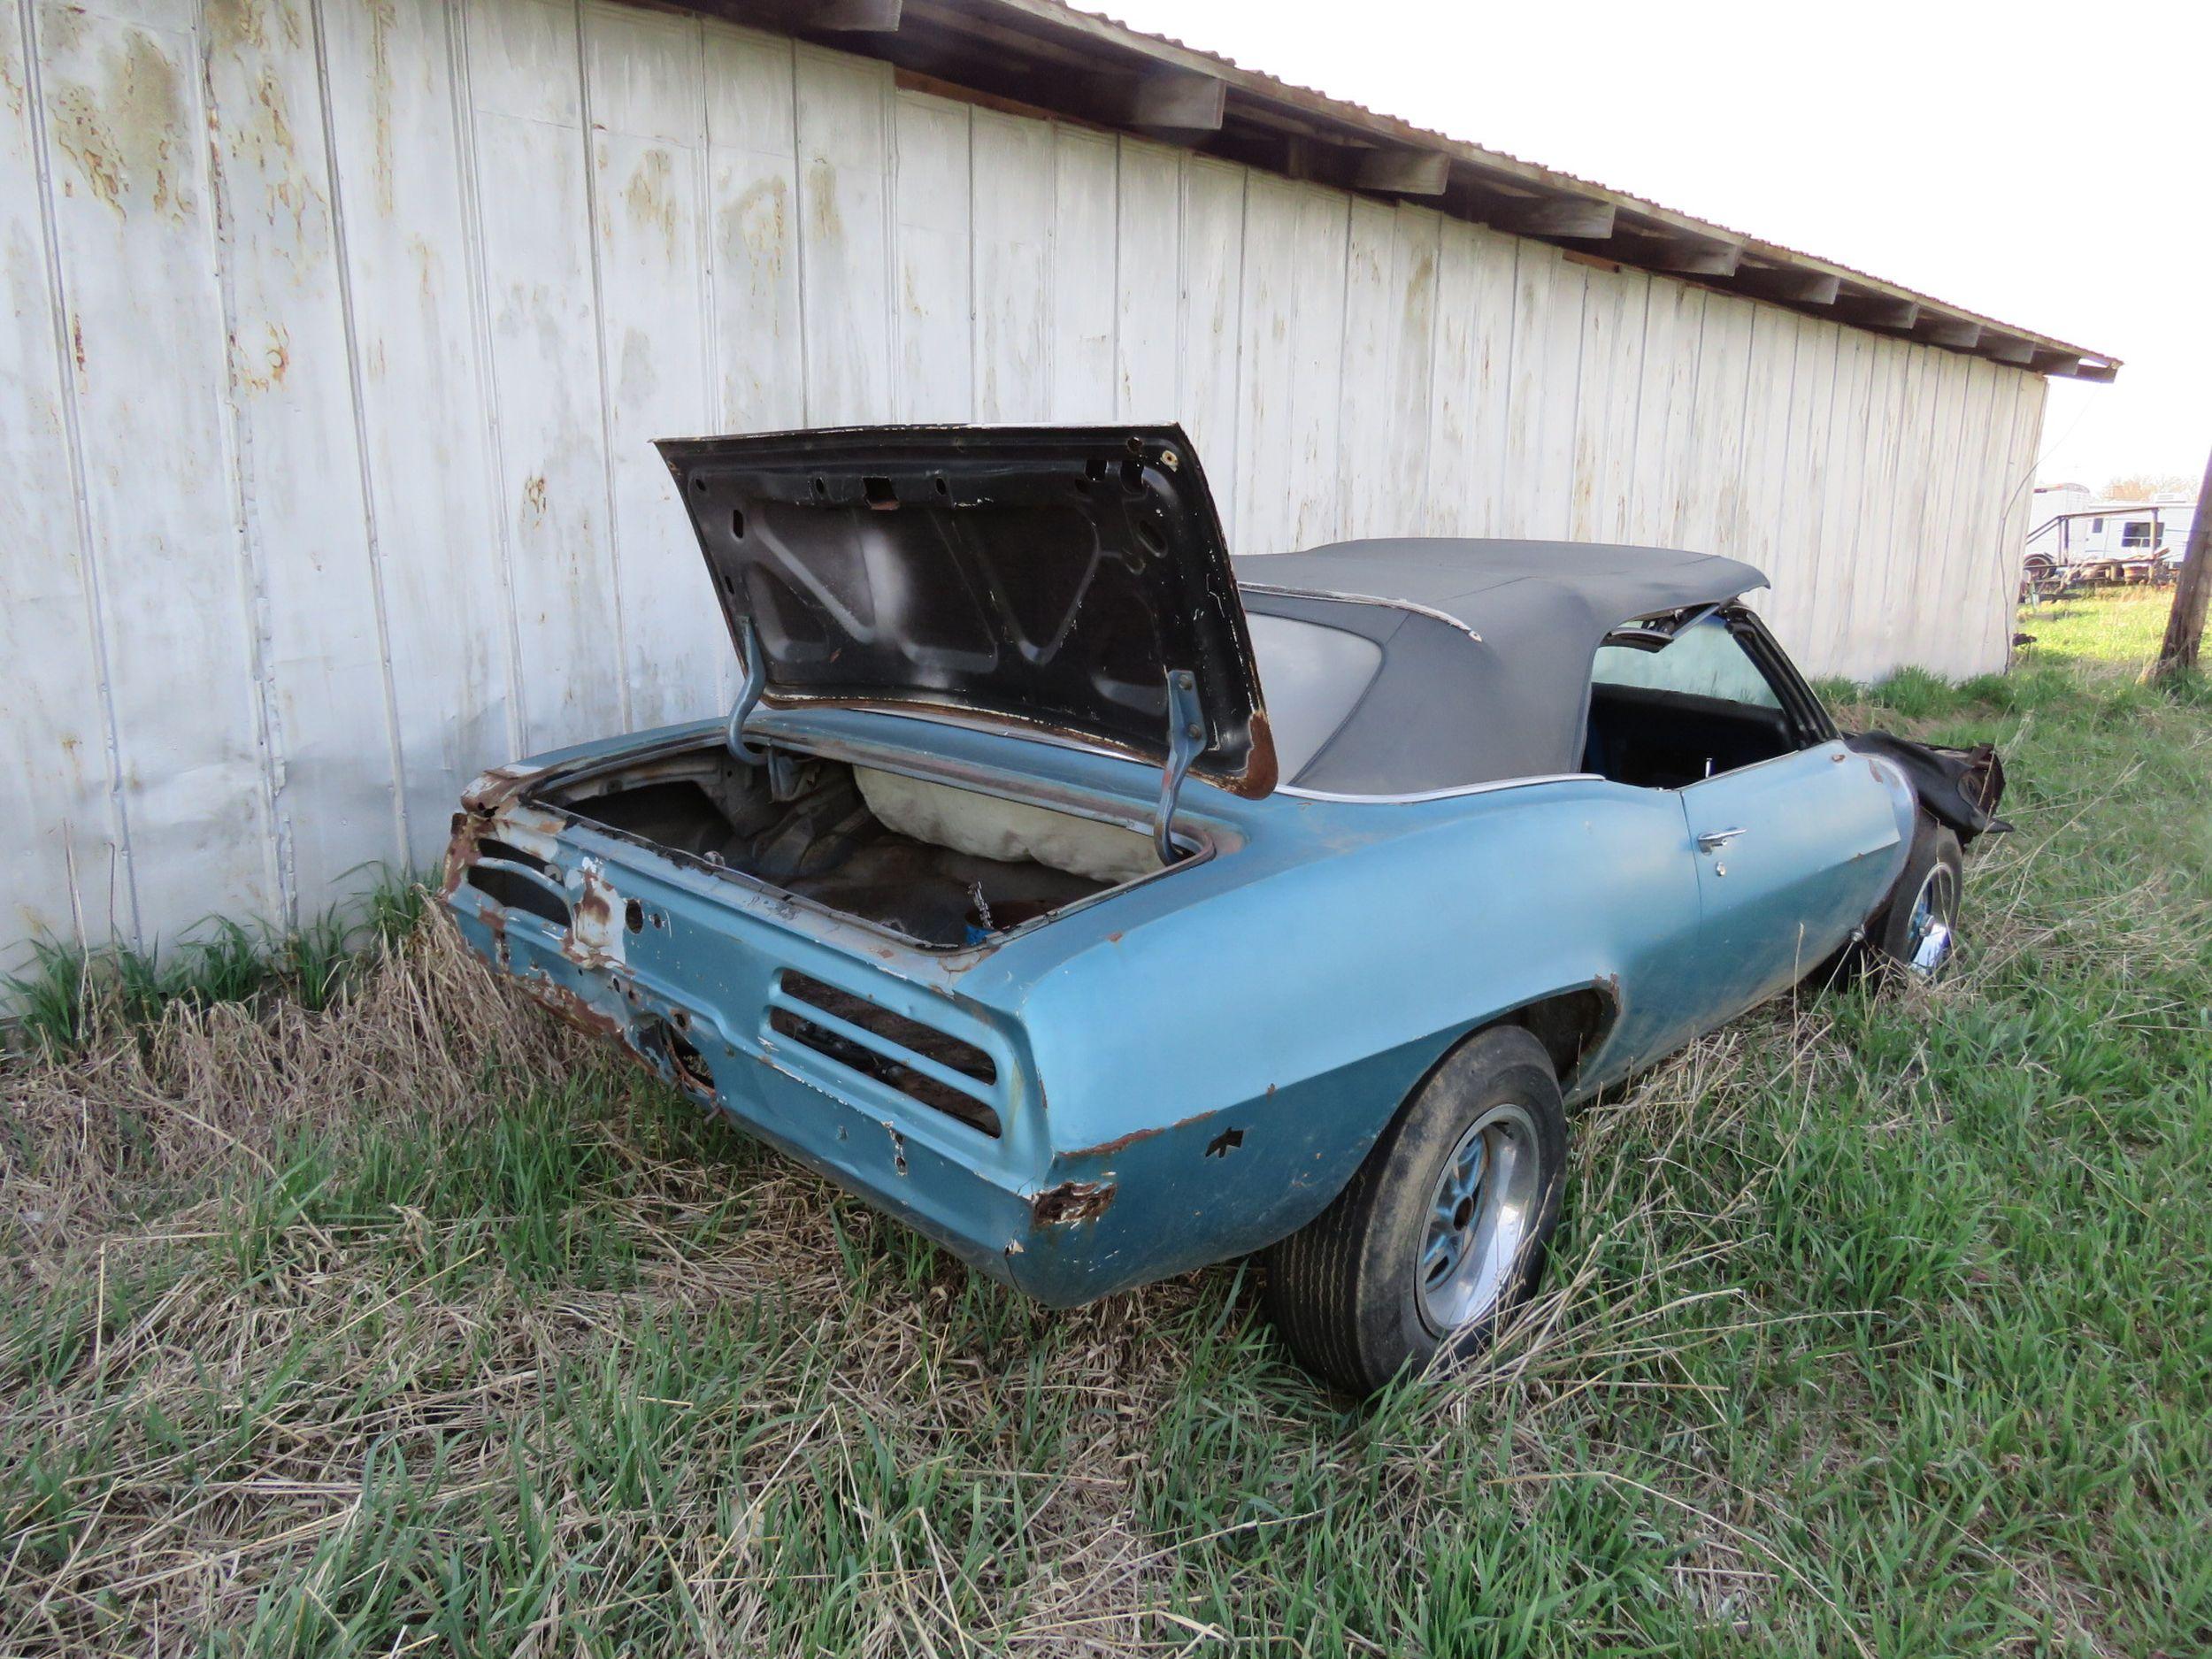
x=748 y=695
x=783 y=770
x=1186 y=738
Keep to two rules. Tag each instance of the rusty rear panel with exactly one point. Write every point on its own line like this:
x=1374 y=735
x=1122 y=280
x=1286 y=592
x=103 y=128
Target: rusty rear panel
x=859 y=1056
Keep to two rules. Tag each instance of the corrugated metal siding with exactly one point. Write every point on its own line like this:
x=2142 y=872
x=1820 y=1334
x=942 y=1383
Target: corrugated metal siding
x=337 y=330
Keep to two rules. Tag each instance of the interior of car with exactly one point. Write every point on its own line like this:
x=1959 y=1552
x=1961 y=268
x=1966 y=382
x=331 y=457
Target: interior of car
x=1680 y=699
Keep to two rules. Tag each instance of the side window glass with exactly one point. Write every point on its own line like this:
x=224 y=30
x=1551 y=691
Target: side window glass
x=1704 y=660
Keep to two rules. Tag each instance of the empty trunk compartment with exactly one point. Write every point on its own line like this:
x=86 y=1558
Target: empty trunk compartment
x=944 y=866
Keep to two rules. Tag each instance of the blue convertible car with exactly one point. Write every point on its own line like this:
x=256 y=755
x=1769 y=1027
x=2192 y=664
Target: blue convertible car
x=1005 y=899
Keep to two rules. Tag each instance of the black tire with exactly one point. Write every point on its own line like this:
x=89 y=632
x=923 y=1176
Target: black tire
x=1345 y=1291
x=1935 y=866
x=1885 y=942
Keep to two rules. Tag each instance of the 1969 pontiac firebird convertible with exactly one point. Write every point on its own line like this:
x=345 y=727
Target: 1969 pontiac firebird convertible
x=1005 y=900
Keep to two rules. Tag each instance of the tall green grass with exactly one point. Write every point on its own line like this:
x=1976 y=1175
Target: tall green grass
x=58 y=1000
x=1879 y=1324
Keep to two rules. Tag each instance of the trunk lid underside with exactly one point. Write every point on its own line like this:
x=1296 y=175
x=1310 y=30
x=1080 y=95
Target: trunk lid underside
x=1070 y=579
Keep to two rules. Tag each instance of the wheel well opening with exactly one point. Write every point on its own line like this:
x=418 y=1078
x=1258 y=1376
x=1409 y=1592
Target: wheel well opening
x=1571 y=1025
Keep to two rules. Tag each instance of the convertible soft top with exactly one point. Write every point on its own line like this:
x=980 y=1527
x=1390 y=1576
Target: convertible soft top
x=1476 y=662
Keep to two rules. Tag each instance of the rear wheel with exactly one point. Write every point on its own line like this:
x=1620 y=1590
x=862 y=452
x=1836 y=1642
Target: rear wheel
x=1441 y=1231
x=1917 y=931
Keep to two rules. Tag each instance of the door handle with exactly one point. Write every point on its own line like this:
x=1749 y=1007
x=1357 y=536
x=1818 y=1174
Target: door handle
x=1713 y=840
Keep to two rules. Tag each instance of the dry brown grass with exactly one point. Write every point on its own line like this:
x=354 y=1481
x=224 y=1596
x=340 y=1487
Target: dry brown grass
x=266 y=1358
x=147 y=1109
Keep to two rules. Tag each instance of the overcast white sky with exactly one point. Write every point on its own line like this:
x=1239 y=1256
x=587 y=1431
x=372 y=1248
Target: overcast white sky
x=2046 y=165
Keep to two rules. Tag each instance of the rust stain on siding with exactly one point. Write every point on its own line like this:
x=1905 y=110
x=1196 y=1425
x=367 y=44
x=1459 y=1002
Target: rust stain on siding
x=125 y=137
x=651 y=198
x=637 y=378
x=383 y=21
x=821 y=184
x=232 y=24
x=262 y=368
x=258 y=140
x=13 y=82
x=755 y=224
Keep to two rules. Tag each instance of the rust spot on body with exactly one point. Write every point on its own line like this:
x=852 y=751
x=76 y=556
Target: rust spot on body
x=1119 y=1143
x=594 y=927
x=1070 y=1202
x=1260 y=770
x=559 y=999
x=593 y=909
x=495 y=788
x=1122 y=1143
x=461 y=852
x=490 y=811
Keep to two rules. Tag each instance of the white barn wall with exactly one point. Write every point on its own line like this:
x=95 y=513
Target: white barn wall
x=337 y=334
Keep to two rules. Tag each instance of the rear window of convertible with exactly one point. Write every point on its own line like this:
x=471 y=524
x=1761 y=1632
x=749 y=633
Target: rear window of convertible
x=1313 y=677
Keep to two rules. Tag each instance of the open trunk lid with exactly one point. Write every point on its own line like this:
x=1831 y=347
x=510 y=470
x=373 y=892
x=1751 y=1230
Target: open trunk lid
x=1067 y=579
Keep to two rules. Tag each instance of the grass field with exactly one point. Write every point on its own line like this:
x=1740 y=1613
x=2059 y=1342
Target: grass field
x=1880 y=1324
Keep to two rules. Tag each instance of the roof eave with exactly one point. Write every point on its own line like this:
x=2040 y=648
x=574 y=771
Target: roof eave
x=1047 y=58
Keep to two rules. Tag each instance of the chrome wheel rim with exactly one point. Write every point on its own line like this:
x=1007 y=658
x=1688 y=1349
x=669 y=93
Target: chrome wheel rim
x=1928 y=935
x=1480 y=1215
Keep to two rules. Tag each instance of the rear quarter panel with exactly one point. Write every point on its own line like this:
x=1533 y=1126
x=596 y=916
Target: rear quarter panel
x=1222 y=1067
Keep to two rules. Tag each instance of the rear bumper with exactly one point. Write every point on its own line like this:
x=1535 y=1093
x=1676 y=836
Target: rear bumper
x=978 y=1201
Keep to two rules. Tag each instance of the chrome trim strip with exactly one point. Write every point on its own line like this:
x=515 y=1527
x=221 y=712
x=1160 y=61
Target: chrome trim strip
x=1451 y=794
x=1771 y=760
x=1360 y=599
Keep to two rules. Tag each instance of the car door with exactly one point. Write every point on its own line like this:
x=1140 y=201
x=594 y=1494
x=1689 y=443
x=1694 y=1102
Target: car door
x=1793 y=837
x=1792 y=853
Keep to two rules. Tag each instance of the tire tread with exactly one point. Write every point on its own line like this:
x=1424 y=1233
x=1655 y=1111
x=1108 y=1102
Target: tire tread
x=1314 y=1295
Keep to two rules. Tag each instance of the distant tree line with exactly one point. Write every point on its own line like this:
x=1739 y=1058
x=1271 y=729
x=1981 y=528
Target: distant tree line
x=2143 y=486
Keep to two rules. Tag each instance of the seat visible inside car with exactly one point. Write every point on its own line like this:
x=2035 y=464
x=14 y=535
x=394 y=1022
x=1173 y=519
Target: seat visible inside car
x=1668 y=710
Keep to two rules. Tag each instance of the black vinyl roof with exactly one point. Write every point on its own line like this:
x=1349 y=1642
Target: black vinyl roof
x=1485 y=647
